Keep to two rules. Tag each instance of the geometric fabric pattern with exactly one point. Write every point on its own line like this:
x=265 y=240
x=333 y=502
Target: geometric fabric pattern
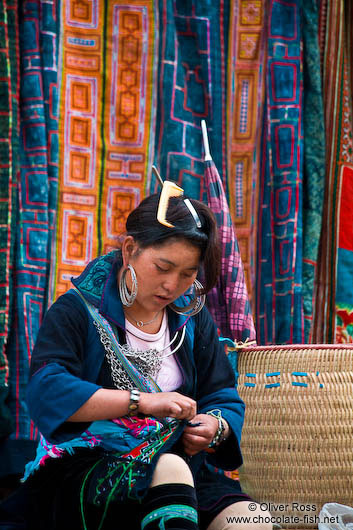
x=37 y=155
x=106 y=119
x=245 y=102
x=9 y=132
x=192 y=68
x=93 y=92
x=279 y=304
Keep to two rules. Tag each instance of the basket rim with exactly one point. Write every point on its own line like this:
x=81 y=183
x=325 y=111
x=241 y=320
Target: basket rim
x=271 y=347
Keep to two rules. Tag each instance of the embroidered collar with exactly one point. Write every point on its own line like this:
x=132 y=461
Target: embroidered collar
x=92 y=280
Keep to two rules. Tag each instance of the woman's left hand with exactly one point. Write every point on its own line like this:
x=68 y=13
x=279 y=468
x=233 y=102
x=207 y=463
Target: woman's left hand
x=198 y=438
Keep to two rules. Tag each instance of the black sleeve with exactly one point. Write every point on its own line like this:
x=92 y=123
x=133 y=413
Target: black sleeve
x=57 y=388
x=61 y=337
x=214 y=371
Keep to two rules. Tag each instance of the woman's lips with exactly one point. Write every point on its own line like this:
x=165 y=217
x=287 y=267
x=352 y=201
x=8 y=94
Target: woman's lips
x=163 y=298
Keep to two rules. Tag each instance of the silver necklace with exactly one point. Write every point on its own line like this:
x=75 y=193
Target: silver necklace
x=140 y=323
x=148 y=362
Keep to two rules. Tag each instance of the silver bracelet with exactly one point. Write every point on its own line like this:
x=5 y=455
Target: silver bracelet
x=219 y=436
x=134 y=402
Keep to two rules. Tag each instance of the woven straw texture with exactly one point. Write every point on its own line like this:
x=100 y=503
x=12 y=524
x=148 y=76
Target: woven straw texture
x=297 y=439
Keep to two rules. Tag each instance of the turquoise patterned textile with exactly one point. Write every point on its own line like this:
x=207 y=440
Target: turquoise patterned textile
x=37 y=155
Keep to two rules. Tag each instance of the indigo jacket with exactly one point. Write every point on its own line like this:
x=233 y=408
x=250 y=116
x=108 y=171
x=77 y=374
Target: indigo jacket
x=68 y=362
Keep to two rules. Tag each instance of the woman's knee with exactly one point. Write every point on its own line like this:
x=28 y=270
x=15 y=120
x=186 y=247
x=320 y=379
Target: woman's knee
x=242 y=515
x=172 y=468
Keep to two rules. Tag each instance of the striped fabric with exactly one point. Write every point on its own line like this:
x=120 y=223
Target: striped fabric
x=333 y=310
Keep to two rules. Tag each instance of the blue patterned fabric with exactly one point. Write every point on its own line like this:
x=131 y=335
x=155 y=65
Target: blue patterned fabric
x=279 y=296
x=314 y=156
x=194 y=60
x=9 y=141
x=38 y=157
x=193 y=50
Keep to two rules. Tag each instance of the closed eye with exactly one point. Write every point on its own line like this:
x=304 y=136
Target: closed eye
x=185 y=275
x=160 y=269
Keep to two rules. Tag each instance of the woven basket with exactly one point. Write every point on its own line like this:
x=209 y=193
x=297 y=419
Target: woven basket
x=297 y=439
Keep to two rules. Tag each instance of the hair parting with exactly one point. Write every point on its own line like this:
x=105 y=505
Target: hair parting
x=143 y=226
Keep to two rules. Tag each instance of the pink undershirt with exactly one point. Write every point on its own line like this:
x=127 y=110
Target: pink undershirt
x=169 y=377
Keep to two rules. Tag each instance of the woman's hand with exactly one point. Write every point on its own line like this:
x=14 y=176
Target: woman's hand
x=198 y=438
x=164 y=404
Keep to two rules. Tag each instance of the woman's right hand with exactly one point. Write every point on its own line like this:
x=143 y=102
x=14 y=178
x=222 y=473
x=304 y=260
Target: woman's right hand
x=164 y=404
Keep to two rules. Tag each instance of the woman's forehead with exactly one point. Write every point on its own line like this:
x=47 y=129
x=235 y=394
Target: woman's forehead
x=175 y=251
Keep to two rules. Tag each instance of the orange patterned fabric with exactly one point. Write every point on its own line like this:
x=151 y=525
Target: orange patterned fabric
x=245 y=104
x=106 y=104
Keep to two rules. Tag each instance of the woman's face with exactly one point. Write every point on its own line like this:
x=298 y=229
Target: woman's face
x=163 y=273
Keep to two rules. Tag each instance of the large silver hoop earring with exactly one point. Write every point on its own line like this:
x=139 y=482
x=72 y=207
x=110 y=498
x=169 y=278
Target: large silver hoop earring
x=196 y=303
x=128 y=297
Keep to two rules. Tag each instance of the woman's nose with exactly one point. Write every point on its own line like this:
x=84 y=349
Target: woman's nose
x=170 y=283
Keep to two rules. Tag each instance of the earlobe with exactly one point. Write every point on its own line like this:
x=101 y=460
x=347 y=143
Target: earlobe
x=127 y=250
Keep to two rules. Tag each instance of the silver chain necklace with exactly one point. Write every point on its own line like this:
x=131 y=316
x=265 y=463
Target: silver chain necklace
x=148 y=362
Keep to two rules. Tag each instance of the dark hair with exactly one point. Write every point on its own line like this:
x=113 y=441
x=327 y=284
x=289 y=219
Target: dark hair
x=143 y=226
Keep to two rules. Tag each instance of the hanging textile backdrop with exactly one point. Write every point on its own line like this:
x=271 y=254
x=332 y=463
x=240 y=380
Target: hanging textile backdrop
x=94 y=92
x=9 y=145
x=291 y=176
x=30 y=160
x=333 y=317
x=107 y=107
